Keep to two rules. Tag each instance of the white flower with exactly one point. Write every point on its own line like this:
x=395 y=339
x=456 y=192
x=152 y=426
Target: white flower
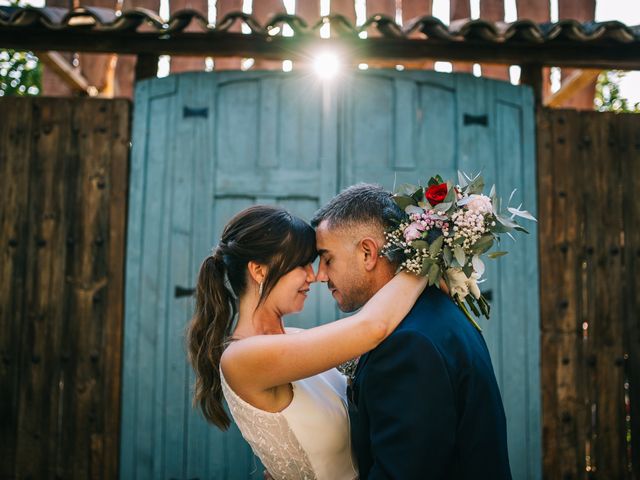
x=462 y=286
x=480 y=204
x=457 y=282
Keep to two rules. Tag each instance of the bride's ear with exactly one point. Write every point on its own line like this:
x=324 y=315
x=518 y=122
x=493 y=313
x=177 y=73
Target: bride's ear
x=370 y=252
x=257 y=271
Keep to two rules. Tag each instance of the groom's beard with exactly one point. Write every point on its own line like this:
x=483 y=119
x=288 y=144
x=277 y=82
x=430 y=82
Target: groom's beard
x=351 y=297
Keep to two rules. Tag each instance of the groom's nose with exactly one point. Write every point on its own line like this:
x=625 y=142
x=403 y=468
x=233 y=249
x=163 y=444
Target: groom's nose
x=322 y=276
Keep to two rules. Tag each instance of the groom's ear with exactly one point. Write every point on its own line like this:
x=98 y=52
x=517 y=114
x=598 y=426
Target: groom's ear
x=370 y=251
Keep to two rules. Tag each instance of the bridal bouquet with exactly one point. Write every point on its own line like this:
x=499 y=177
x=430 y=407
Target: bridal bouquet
x=447 y=231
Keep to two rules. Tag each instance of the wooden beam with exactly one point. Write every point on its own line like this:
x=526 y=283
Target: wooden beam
x=575 y=82
x=562 y=54
x=146 y=67
x=532 y=74
x=67 y=73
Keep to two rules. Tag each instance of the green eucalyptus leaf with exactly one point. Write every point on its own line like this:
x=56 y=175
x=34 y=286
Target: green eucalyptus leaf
x=458 y=253
x=426 y=265
x=407 y=189
x=434 y=273
x=420 y=244
x=476 y=186
x=522 y=213
x=436 y=246
x=403 y=201
x=496 y=254
x=418 y=195
x=462 y=181
x=447 y=256
x=467 y=270
x=443 y=207
x=483 y=244
x=451 y=194
x=507 y=222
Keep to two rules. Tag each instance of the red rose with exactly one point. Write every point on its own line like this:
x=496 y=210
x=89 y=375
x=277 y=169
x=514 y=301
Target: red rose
x=435 y=194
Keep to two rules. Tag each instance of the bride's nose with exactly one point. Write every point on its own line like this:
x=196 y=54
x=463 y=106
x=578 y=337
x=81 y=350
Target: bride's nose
x=311 y=276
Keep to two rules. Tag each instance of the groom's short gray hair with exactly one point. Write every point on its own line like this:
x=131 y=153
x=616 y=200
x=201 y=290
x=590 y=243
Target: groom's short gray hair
x=360 y=204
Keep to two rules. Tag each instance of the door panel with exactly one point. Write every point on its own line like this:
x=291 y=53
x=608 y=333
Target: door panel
x=208 y=145
x=442 y=123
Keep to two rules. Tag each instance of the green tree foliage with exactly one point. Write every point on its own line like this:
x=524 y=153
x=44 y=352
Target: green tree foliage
x=608 y=97
x=20 y=73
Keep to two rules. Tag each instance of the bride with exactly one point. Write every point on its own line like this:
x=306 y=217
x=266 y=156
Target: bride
x=280 y=384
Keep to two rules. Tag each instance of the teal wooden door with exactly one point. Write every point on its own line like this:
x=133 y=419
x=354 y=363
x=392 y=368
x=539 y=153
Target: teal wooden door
x=205 y=146
x=208 y=145
x=404 y=126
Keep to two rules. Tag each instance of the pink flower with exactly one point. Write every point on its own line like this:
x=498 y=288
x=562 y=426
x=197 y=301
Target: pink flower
x=413 y=231
x=480 y=204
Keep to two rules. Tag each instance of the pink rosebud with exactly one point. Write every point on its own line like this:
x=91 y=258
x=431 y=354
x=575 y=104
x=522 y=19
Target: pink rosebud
x=413 y=231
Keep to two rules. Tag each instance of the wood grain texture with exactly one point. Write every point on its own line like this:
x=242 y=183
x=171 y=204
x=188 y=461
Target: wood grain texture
x=65 y=315
x=589 y=311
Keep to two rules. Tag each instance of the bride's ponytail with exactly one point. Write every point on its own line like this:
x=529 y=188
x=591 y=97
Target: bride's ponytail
x=262 y=234
x=206 y=336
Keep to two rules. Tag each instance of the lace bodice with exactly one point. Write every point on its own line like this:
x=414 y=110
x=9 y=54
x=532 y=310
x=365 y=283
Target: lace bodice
x=309 y=439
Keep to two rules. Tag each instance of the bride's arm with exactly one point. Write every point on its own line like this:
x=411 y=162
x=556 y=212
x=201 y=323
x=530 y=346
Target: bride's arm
x=266 y=361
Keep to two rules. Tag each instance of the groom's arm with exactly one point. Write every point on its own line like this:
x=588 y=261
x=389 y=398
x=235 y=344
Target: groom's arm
x=411 y=409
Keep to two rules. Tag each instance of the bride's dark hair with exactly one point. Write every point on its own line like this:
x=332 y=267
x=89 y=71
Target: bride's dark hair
x=263 y=234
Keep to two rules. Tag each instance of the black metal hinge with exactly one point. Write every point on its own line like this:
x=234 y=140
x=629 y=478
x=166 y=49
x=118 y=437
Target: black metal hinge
x=184 y=292
x=195 y=112
x=469 y=119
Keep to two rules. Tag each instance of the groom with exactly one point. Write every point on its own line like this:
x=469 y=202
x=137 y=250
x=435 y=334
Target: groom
x=425 y=402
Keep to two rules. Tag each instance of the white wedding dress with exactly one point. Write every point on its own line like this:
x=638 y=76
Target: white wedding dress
x=309 y=439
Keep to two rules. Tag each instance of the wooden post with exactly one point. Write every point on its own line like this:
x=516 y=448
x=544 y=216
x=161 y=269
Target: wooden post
x=146 y=67
x=531 y=74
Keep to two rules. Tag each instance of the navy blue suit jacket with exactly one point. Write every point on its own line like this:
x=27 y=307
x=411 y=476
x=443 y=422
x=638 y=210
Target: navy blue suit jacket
x=425 y=403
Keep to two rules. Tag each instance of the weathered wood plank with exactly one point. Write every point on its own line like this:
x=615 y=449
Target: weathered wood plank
x=629 y=131
x=15 y=153
x=117 y=188
x=586 y=164
x=67 y=397
x=563 y=414
x=39 y=397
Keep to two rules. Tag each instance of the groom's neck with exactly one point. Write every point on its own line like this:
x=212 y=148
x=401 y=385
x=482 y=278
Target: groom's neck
x=380 y=279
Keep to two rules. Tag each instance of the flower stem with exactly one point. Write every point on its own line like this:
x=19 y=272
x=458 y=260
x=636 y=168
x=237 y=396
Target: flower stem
x=466 y=312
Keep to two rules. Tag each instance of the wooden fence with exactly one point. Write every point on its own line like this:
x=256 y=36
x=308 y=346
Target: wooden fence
x=63 y=187
x=589 y=213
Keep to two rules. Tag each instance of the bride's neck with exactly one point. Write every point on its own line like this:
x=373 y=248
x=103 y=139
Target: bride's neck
x=256 y=320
